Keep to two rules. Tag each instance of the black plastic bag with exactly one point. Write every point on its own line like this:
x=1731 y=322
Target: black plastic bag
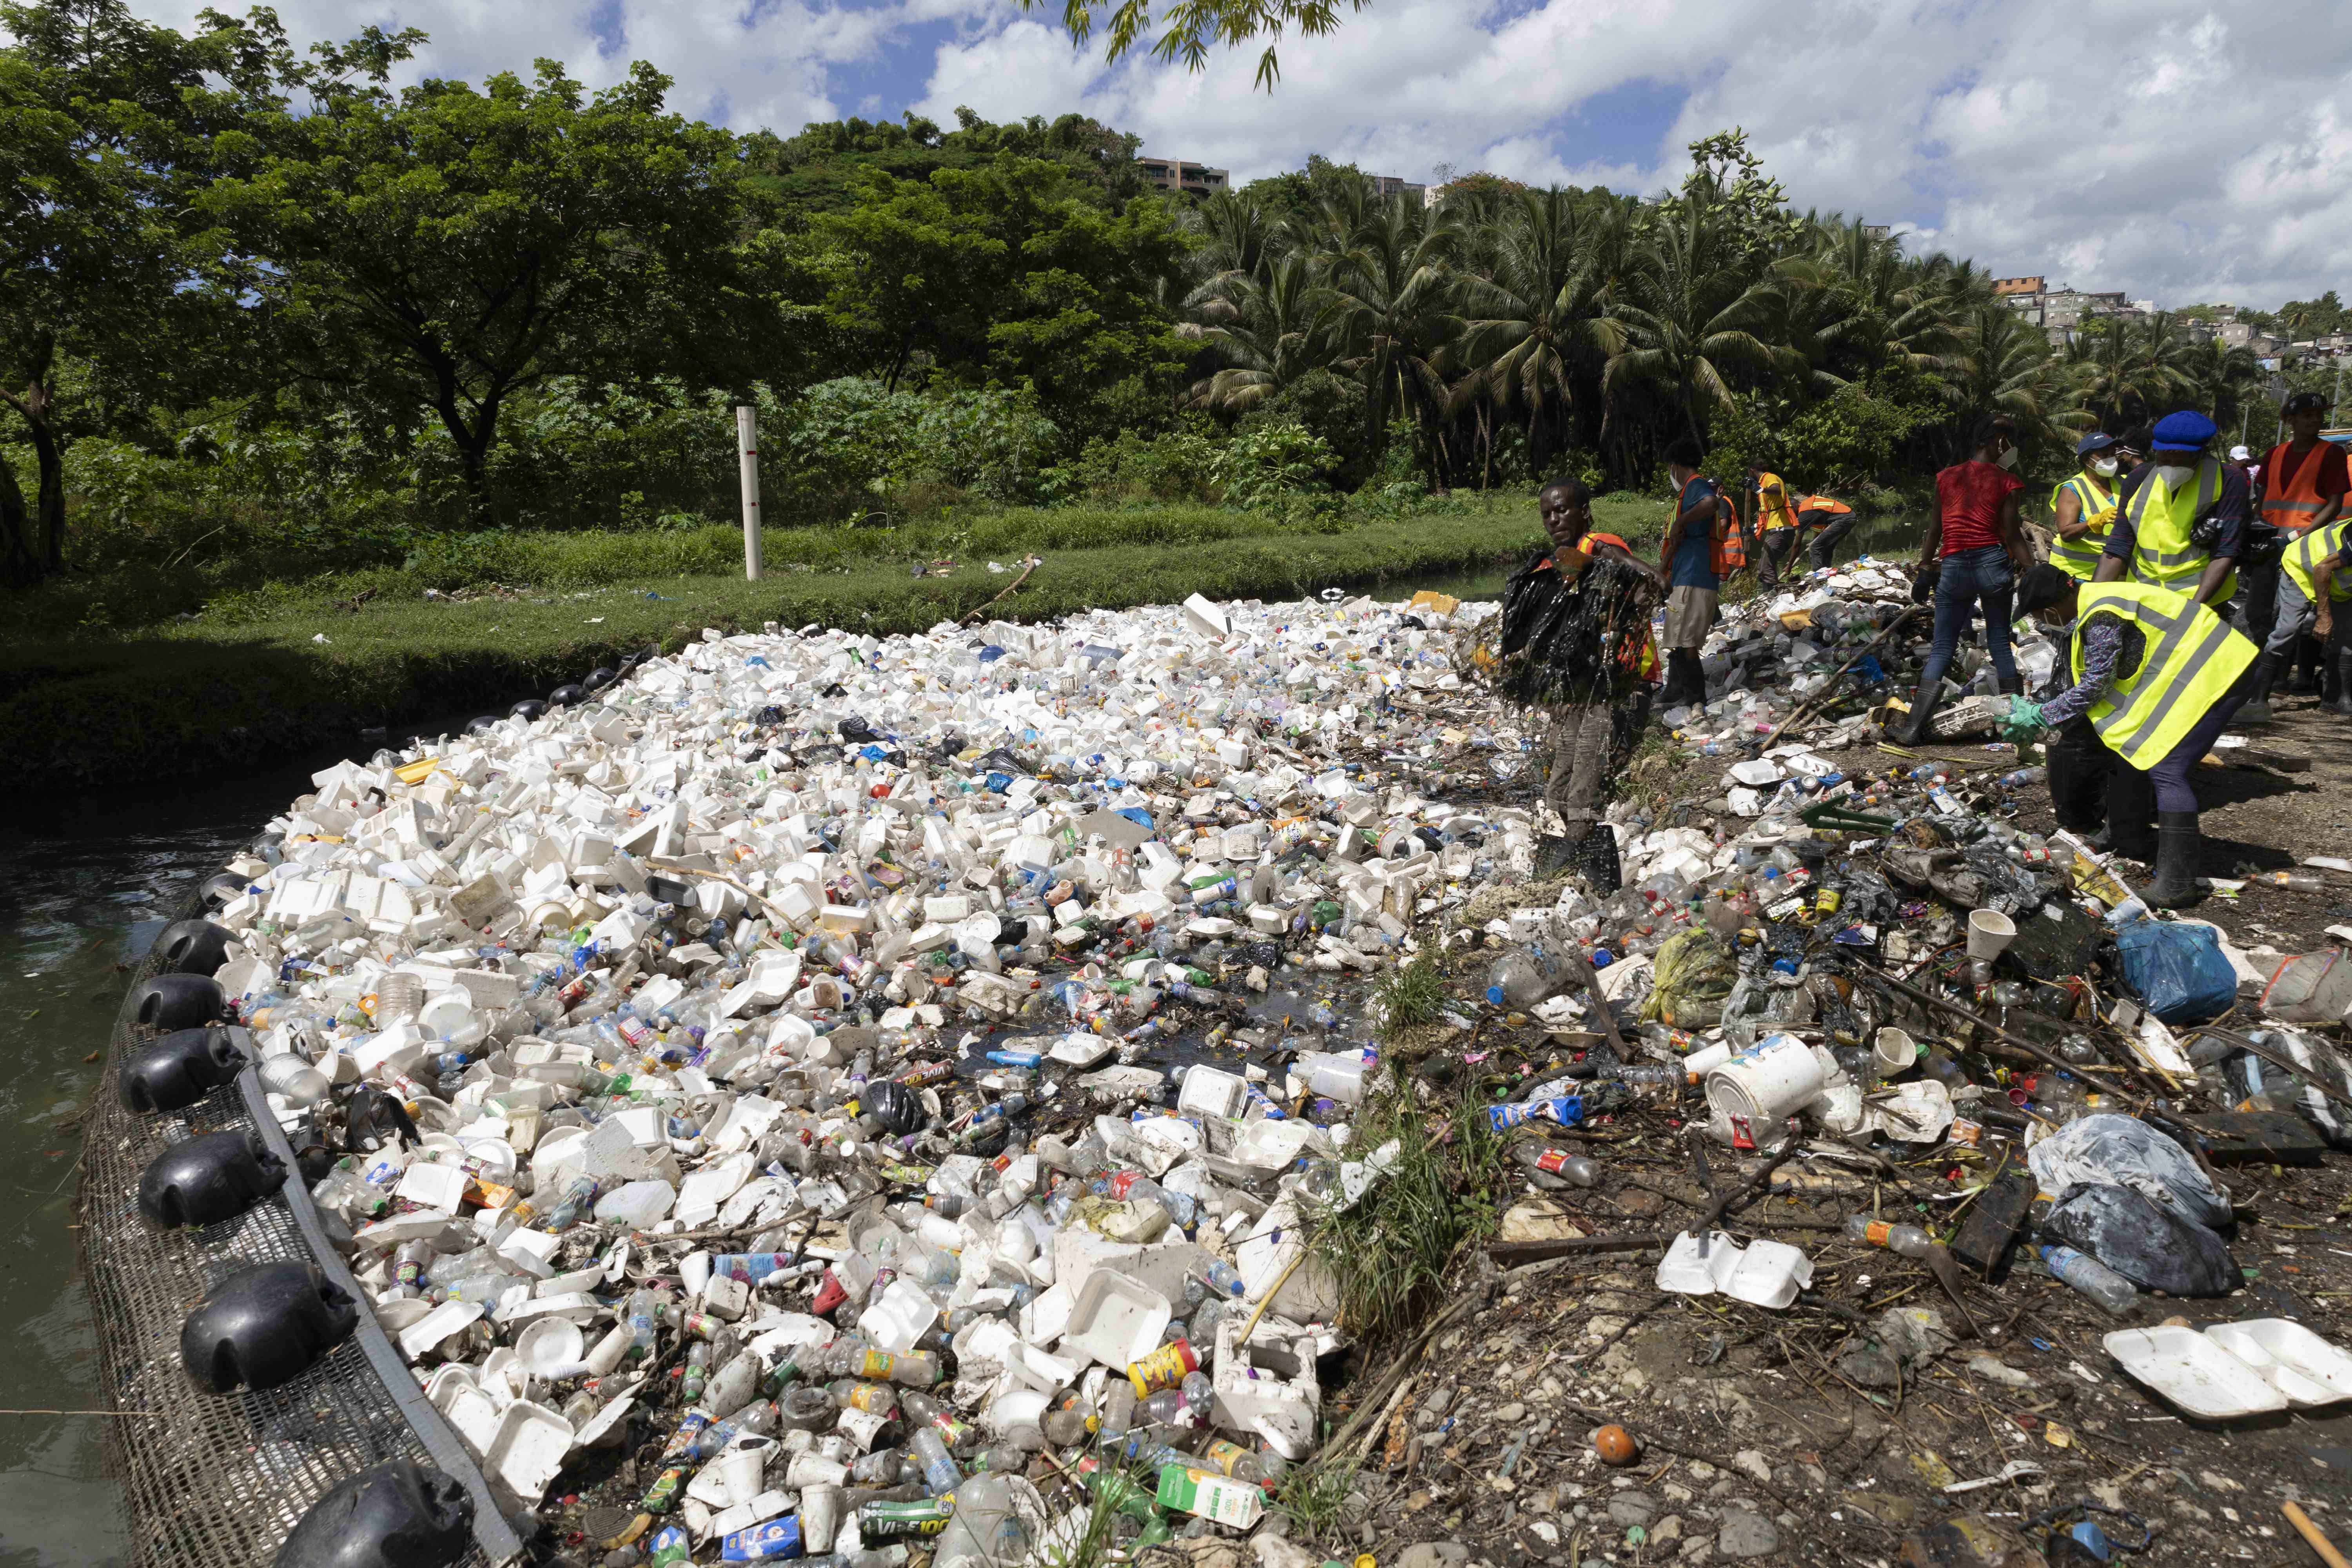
x=2151 y=1247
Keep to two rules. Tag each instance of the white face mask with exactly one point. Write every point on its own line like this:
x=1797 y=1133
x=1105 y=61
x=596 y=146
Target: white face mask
x=2105 y=467
x=2173 y=475
x=2007 y=459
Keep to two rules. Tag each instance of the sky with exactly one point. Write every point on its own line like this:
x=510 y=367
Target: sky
x=2174 y=150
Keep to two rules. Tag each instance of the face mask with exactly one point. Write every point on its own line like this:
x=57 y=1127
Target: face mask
x=2007 y=459
x=2173 y=475
x=2105 y=467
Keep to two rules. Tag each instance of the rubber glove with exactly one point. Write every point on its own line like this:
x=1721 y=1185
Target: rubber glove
x=2022 y=723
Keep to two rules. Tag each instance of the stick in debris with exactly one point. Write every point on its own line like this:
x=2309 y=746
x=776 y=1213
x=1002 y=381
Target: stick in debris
x=2311 y=1538
x=1830 y=689
x=1034 y=562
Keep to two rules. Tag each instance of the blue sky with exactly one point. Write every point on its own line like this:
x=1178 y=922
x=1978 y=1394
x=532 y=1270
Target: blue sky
x=2212 y=160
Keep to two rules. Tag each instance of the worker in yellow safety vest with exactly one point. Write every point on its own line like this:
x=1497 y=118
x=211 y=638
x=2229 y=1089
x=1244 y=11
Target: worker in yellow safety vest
x=2082 y=506
x=2180 y=516
x=2315 y=584
x=1777 y=528
x=2303 y=483
x=2158 y=674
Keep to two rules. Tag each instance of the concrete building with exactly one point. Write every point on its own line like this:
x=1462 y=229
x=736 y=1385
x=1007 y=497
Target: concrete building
x=1176 y=175
x=1387 y=186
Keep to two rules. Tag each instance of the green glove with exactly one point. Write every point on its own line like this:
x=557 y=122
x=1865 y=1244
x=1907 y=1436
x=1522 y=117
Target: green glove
x=2022 y=722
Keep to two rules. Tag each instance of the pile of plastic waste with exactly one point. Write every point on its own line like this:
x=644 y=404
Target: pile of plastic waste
x=771 y=1089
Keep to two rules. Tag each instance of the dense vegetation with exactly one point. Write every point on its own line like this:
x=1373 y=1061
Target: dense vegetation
x=263 y=316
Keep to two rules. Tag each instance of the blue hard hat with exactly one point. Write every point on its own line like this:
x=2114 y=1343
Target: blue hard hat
x=2186 y=431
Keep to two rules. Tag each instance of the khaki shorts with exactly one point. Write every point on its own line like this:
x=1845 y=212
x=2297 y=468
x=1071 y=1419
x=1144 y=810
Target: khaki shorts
x=1690 y=612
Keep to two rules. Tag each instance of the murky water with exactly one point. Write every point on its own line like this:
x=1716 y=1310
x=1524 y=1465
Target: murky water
x=84 y=888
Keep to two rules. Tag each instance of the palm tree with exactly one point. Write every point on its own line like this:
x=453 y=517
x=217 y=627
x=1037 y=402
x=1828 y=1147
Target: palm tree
x=1269 y=329
x=1694 y=319
x=1392 y=301
x=2002 y=364
x=1543 y=311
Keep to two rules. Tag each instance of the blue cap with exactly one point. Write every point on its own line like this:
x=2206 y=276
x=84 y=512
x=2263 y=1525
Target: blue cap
x=2096 y=441
x=2183 y=432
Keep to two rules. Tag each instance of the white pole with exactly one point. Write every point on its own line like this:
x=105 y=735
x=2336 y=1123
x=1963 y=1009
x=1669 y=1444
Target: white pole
x=746 y=449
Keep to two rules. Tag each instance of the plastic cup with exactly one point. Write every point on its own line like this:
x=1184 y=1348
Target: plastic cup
x=1990 y=934
x=1765 y=1086
x=1893 y=1051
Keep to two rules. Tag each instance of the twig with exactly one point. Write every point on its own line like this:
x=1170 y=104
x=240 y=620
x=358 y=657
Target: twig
x=2018 y=1041
x=1830 y=690
x=1034 y=562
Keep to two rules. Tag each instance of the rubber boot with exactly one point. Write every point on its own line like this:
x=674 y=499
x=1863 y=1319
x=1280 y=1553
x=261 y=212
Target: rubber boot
x=2331 y=681
x=2177 y=846
x=2305 y=678
x=2341 y=658
x=1924 y=703
x=2011 y=685
x=2131 y=809
x=2256 y=708
x=2079 y=762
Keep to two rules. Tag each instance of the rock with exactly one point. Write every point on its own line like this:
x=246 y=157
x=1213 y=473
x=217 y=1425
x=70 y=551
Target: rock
x=1209 y=1554
x=1538 y=1218
x=1274 y=1551
x=1667 y=1529
x=1752 y=1461
x=1633 y=1508
x=1697 y=1549
x=1746 y=1535
x=1429 y=1554
x=1511 y=1415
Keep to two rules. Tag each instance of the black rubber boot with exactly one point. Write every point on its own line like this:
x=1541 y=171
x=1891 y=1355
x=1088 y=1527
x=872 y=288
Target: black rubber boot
x=2079 y=762
x=2341 y=703
x=2307 y=660
x=1924 y=703
x=2011 y=685
x=2177 y=846
x=2256 y=708
x=2131 y=811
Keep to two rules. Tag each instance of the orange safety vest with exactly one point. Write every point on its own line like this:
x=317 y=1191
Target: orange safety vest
x=2290 y=501
x=1644 y=665
x=1823 y=503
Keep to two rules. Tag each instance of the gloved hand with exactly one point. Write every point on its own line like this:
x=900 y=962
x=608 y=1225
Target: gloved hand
x=2022 y=722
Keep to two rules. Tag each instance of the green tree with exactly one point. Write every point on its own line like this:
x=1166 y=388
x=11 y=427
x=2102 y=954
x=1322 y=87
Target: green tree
x=1697 y=318
x=1189 y=27
x=108 y=125
x=1392 y=302
x=1542 y=320
x=446 y=249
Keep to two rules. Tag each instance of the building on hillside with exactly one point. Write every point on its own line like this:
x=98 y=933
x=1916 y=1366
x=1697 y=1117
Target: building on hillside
x=2008 y=287
x=1877 y=230
x=1387 y=186
x=1177 y=174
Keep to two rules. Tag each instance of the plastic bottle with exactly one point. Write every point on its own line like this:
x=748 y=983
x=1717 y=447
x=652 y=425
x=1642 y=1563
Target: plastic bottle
x=985 y=1529
x=1574 y=1169
x=1525 y=976
x=1908 y=1241
x=940 y=1475
x=2294 y=882
x=2093 y=1278
x=1118 y=1410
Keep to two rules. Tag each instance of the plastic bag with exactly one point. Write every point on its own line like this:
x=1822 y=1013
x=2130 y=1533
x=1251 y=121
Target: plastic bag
x=2103 y=1149
x=2176 y=970
x=2315 y=988
x=2149 y=1246
x=1694 y=976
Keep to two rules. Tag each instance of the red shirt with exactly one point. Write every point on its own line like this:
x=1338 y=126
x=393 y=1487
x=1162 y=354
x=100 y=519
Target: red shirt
x=1969 y=496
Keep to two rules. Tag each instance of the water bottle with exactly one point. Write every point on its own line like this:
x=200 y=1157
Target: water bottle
x=1220 y=1278
x=2022 y=777
x=2093 y=1278
x=2294 y=882
x=1908 y=1241
x=1525 y=976
x=940 y=1475
x=644 y=1310
x=1118 y=1410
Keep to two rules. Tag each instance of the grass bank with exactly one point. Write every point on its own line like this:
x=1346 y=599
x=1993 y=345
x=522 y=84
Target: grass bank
x=274 y=666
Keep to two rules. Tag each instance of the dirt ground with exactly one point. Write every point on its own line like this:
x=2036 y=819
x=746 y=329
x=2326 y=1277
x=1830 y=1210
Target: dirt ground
x=1759 y=1443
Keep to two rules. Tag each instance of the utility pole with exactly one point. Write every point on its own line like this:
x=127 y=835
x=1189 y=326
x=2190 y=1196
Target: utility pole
x=747 y=452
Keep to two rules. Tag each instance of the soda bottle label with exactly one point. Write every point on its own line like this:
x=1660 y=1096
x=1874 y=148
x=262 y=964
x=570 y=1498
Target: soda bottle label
x=664 y=1491
x=671 y=1547
x=876 y=1365
x=894 y=1521
x=1553 y=1160
x=1876 y=1232
x=1226 y=1455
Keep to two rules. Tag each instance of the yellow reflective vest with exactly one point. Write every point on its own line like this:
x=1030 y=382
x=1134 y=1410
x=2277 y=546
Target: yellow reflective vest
x=2311 y=547
x=2079 y=558
x=2191 y=658
x=2163 y=555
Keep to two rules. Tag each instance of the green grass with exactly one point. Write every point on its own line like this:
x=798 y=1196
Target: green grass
x=1410 y=995
x=1394 y=1247
x=1315 y=1496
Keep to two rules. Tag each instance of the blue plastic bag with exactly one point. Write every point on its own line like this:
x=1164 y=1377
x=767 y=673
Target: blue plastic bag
x=2178 y=971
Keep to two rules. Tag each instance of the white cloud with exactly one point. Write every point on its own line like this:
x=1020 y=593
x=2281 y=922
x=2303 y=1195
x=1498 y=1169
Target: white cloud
x=2172 y=148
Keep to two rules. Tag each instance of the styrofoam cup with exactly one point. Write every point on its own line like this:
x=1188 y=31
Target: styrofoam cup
x=1990 y=933
x=1760 y=1088
x=1893 y=1051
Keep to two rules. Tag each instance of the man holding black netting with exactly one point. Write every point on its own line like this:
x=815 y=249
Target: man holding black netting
x=1576 y=638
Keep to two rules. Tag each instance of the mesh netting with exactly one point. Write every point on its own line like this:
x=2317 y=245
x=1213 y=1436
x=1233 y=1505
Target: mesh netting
x=213 y=1480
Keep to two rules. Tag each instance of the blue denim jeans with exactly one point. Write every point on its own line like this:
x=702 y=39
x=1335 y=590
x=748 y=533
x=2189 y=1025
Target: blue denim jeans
x=1969 y=578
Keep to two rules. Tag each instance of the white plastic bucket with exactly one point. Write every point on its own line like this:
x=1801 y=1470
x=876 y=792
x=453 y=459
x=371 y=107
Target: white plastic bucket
x=1757 y=1089
x=1893 y=1051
